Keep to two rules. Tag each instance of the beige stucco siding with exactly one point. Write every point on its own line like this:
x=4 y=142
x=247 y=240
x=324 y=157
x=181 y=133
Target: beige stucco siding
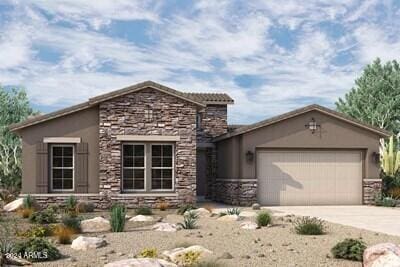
x=292 y=134
x=83 y=124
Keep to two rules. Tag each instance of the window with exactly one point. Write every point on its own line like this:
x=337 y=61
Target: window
x=148 y=115
x=133 y=167
x=161 y=167
x=62 y=167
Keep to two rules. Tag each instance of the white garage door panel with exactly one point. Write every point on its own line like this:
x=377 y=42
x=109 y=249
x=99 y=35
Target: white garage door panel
x=309 y=177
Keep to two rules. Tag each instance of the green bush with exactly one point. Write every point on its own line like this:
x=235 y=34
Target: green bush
x=148 y=253
x=233 y=211
x=349 y=249
x=70 y=204
x=189 y=220
x=43 y=217
x=37 y=231
x=309 y=226
x=84 y=207
x=72 y=222
x=385 y=200
x=263 y=219
x=118 y=218
x=143 y=211
x=29 y=202
x=182 y=209
x=37 y=249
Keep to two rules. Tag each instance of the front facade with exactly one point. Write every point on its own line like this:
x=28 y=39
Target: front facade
x=148 y=144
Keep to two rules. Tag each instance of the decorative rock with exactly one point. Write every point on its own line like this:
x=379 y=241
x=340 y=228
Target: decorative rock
x=229 y=218
x=249 y=225
x=141 y=218
x=97 y=224
x=85 y=243
x=200 y=212
x=226 y=255
x=175 y=255
x=141 y=262
x=380 y=255
x=165 y=227
x=14 y=205
x=248 y=214
x=255 y=206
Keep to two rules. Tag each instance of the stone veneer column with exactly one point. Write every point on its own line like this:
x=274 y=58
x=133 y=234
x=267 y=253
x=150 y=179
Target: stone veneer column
x=125 y=116
x=371 y=187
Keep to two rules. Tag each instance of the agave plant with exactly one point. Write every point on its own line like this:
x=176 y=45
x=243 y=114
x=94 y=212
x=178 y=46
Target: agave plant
x=189 y=220
x=390 y=157
x=233 y=211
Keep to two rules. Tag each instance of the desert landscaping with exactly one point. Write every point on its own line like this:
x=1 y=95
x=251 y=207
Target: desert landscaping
x=215 y=236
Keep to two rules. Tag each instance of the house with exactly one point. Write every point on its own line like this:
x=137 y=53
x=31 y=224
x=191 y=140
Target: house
x=148 y=143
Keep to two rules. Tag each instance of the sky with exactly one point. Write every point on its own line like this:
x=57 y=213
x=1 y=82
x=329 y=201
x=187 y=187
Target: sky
x=270 y=56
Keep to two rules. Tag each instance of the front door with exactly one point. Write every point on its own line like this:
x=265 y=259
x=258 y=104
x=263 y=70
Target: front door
x=201 y=179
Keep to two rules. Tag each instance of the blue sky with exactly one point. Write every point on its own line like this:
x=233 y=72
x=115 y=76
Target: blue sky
x=270 y=56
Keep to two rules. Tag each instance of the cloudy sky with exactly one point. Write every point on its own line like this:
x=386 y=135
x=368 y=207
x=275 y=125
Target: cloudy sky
x=270 y=56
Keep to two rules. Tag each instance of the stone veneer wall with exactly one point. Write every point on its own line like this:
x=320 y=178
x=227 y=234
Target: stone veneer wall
x=235 y=192
x=125 y=116
x=371 y=187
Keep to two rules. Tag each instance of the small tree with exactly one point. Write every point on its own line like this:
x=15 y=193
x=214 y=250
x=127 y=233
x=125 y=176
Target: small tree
x=14 y=107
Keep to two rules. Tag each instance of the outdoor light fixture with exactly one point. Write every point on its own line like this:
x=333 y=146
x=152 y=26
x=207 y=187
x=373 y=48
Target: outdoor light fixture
x=376 y=157
x=312 y=125
x=249 y=156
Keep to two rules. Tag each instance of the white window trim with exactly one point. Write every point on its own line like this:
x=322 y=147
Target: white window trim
x=62 y=140
x=133 y=168
x=73 y=168
x=173 y=168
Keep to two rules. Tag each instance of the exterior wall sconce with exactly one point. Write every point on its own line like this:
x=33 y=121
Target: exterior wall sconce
x=312 y=125
x=249 y=156
x=376 y=157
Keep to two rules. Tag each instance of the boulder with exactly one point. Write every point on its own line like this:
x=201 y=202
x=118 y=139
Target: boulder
x=255 y=206
x=380 y=255
x=14 y=205
x=85 y=243
x=249 y=225
x=248 y=214
x=229 y=218
x=141 y=218
x=141 y=262
x=165 y=227
x=97 y=224
x=176 y=254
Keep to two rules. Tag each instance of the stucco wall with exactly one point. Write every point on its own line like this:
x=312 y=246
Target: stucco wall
x=83 y=124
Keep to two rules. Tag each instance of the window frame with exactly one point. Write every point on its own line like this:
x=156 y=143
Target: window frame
x=69 y=168
x=161 y=168
x=133 y=168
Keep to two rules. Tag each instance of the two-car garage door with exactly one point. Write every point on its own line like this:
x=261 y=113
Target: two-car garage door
x=309 y=177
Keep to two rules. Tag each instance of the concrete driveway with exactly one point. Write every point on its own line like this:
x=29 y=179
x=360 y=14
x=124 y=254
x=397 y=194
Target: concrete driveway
x=378 y=219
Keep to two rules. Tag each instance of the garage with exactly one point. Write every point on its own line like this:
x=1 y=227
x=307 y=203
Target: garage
x=301 y=177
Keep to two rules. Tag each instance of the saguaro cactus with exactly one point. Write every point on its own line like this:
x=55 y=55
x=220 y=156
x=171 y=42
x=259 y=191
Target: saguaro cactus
x=390 y=157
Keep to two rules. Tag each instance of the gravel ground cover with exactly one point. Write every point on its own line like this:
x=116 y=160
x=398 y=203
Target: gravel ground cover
x=277 y=245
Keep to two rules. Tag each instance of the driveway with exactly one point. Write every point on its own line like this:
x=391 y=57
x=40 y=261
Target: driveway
x=378 y=219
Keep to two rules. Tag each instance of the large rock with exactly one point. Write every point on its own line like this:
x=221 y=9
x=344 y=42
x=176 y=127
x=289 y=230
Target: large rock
x=85 y=243
x=141 y=262
x=176 y=254
x=229 y=218
x=14 y=205
x=97 y=224
x=165 y=227
x=382 y=255
x=255 y=206
x=249 y=225
x=142 y=218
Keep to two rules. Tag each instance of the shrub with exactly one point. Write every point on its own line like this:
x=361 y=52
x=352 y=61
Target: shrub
x=43 y=217
x=182 y=209
x=28 y=202
x=37 y=231
x=188 y=258
x=33 y=246
x=263 y=219
x=84 y=207
x=63 y=234
x=8 y=195
x=70 y=205
x=309 y=226
x=349 y=249
x=385 y=200
x=143 y=211
x=395 y=192
x=26 y=212
x=233 y=211
x=73 y=223
x=148 y=253
x=118 y=218
x=54 y=207
x=189 y=220
x=163 y=206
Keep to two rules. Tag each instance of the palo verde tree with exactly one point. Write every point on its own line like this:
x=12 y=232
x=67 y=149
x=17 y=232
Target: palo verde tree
x=14 y=107
x=375 y=98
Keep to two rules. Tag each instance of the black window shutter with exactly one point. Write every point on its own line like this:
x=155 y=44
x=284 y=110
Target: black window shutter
x=81 y=168
x=42 y=168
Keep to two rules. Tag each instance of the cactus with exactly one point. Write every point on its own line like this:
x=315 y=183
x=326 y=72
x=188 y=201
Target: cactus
x=390 y=157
